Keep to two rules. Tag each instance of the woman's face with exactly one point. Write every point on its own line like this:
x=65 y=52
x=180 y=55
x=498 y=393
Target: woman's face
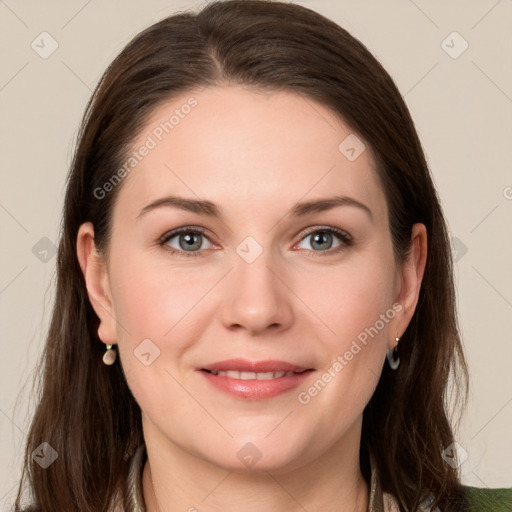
x=271 y=276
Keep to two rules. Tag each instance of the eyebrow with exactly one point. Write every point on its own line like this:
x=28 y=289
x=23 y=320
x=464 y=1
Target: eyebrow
x=209 y=209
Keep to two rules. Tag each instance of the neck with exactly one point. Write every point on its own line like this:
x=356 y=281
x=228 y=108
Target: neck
x=176 y=480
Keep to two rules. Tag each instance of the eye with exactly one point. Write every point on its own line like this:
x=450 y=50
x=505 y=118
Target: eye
x=186 y=241
x=322 y=240
x=190 y=241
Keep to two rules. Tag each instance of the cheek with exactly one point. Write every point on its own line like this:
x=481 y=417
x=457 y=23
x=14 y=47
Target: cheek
x=153 y=308
x=353 y=307
x=357 y=315
x=349 y=299
x=151 y=298
x=163 y=306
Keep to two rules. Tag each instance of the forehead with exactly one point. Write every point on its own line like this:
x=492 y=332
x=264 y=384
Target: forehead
x=246 y=147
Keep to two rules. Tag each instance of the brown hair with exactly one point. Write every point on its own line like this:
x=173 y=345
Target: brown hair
x=86 y=411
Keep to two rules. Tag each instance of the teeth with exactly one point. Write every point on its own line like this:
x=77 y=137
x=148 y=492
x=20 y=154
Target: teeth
x=234 y=374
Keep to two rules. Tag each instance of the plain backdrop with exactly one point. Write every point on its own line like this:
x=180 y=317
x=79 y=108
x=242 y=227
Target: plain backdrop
x=451 y=61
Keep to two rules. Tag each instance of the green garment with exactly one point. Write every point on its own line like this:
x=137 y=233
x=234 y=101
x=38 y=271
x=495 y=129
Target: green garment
x=482 y=499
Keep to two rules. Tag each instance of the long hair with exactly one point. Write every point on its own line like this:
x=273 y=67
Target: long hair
x=86 y=411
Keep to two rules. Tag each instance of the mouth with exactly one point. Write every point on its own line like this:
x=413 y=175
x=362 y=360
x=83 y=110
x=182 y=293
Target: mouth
x=243 y=375
x=255 y=380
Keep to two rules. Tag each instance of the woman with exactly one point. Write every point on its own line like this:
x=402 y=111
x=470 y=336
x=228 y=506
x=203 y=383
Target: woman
x=206 y=352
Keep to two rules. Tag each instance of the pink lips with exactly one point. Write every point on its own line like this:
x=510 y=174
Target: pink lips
x=252 y=388
x=244 y=365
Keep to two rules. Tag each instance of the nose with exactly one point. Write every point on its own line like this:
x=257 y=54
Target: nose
x=258 y=298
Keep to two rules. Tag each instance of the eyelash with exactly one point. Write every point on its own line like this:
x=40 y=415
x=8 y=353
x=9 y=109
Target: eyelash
x=345 y=238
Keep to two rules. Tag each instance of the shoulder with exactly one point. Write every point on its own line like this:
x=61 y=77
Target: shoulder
x=489 y=500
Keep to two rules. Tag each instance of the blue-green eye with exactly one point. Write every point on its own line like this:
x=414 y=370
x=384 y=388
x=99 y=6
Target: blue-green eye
x=188 y=241
x=322 y=240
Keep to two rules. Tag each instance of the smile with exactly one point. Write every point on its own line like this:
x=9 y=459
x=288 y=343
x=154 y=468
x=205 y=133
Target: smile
x=254 y=385
x=242 y=375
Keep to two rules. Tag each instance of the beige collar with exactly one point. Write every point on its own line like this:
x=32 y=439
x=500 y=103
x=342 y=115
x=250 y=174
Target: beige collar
x=379 y=501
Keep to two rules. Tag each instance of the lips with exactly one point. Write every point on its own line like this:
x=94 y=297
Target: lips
x=244 y=365
x=235 y=374
x=255 y=380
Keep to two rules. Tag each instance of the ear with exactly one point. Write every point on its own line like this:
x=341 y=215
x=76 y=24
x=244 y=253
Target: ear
x=94 y=270
x=411 y=276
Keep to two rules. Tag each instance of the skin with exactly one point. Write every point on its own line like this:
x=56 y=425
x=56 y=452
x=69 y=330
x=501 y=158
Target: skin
x=255 y=154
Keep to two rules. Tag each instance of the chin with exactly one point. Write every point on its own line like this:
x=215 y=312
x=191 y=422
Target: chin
x=253 y=454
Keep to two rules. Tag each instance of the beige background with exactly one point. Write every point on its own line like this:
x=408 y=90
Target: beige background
x=462 y=108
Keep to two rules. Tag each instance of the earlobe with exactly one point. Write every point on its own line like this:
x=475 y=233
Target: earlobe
x=96 y=279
